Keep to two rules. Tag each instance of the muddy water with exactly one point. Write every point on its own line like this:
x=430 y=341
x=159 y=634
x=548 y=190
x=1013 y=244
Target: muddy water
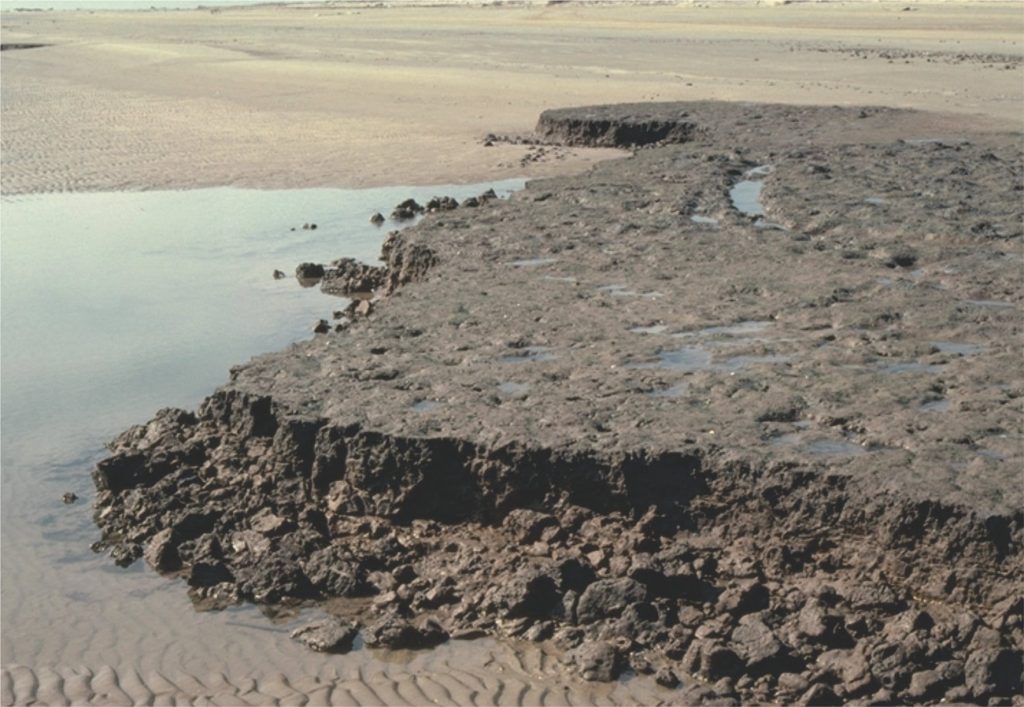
x=115 y=305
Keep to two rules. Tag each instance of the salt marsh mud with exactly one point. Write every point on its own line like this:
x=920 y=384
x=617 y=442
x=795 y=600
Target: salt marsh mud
x=873 y=555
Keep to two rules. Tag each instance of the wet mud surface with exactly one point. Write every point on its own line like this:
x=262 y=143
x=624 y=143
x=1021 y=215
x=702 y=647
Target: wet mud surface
x=769 y=454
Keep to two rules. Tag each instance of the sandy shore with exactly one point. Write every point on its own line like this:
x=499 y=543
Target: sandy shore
x=333 y=96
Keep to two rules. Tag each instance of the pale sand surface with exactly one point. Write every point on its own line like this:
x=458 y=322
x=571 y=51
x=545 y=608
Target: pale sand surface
x=287 y=97
x=341 y=96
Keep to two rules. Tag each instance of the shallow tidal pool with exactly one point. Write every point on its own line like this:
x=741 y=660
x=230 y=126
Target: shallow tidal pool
x=115 y=305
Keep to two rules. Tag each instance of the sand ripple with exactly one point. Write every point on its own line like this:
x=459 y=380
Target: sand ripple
x=430 y=678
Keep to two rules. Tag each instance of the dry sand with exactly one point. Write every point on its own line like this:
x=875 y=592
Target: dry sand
x=333 y=96
x=329 y=96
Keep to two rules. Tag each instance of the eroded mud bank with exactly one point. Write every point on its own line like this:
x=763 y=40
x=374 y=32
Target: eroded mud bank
x=775 y=457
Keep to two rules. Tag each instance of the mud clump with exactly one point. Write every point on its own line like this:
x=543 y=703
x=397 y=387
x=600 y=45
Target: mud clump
x=787 y=526
x=347 y=275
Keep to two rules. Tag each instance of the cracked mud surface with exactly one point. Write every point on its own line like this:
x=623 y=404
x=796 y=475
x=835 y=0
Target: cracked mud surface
x=775 y=456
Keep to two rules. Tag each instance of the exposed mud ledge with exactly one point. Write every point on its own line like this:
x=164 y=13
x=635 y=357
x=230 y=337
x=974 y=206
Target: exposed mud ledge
x=633 y=125
x=610 y=495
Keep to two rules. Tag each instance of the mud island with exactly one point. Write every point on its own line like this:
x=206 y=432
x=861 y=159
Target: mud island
x=740 y=410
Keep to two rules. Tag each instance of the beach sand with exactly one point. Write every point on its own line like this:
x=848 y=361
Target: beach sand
x=276 y=97
x=279 y=96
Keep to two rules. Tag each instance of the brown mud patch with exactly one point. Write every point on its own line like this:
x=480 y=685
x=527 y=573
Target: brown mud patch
x=773 y=456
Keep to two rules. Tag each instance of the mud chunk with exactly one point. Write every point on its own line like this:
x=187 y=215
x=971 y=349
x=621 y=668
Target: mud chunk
x=442 y=203
x=249 y=542
x=268 y=523
x=274 y=578
x=744 y=600
x=396 y=633
x=819 y=694
x=309 y=271
x=930 y=685
x=348 y=276
x=330 y=635
x=897 y=257
x=531 y=592
x=121 y=471
x=608 y=597
x=540 y=631
x=848 y=667
x=791 y=684
x=871 y=596
x=596 y=661
x=993 y=671
x=908 y=622
x=666 y=678
x=408 y=209
x=574 y=575
x=891 y=665
x=711 y=660
x=527 y=526
x=758 y=646
x=819 y=625
x=162 y=551
x=207 y=574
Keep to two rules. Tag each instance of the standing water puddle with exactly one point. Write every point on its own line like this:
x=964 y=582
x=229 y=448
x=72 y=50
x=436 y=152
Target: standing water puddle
x=990 y=303
x=820 y=446
x=115 y=305
x=533 y=262
x=959 y=349
x=528 y=354
x=911 y=367
x=744 y=328
x=685 y=359
x=652 y=329
x=745 y=196
x=941 y=405
x=674 y=391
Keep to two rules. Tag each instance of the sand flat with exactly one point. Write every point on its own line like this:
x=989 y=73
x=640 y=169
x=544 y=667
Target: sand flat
x=279 y=96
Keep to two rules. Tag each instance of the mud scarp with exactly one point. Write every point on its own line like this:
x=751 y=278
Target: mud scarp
x=576 y=417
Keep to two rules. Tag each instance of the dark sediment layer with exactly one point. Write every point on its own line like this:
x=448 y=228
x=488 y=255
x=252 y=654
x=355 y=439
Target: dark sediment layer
x=13 y=46
x=773 y=457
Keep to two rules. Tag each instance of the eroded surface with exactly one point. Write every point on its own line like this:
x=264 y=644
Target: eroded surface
x=644 y=514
